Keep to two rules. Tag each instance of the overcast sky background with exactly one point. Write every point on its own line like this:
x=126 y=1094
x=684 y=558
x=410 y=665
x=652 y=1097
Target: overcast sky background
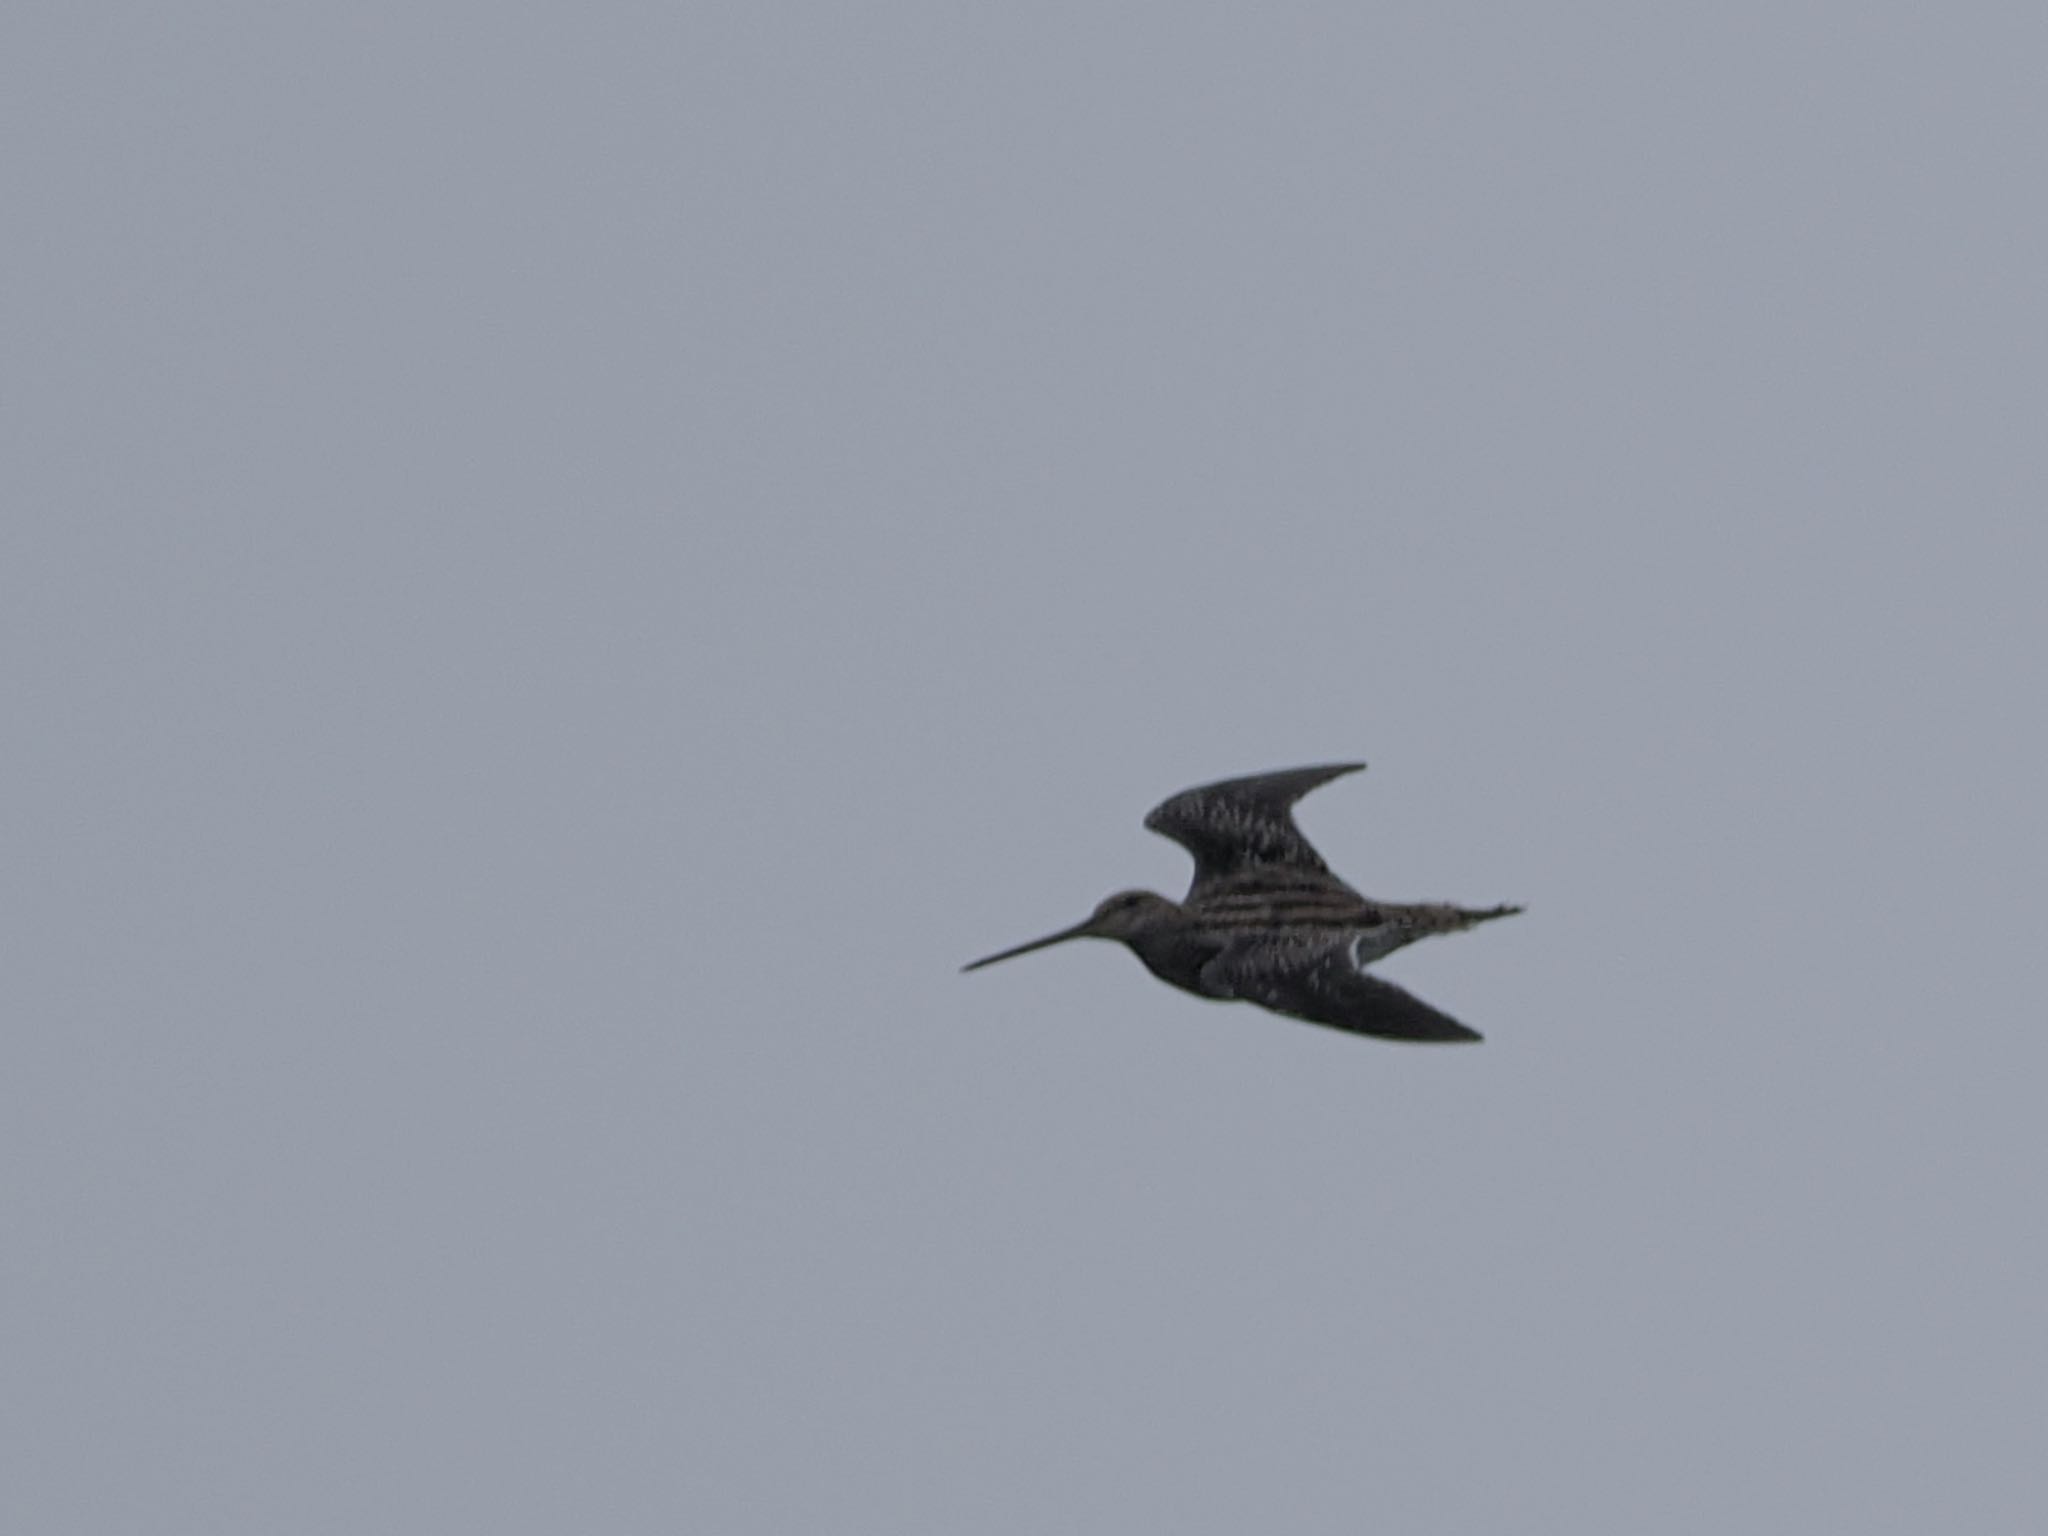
x=565 y=566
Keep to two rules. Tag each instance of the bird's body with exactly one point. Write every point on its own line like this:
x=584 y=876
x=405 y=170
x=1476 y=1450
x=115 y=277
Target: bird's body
x=1266 y=922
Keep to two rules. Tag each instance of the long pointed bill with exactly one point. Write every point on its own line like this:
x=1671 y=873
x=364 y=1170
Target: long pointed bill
x=1079 y=931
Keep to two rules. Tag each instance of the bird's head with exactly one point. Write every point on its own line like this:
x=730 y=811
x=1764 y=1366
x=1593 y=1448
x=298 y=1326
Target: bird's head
x=1126 y=915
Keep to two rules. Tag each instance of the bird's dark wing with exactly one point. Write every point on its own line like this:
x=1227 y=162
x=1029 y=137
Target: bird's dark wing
x=1314 y=977
x=1241 y=823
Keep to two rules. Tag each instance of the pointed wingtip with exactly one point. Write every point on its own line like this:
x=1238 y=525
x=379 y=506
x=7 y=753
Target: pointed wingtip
x=1441 y=1031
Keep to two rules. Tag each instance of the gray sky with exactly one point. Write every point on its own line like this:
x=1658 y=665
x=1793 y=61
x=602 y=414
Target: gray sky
x=565 y=566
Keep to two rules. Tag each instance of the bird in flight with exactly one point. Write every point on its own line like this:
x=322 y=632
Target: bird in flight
x=1266 y=922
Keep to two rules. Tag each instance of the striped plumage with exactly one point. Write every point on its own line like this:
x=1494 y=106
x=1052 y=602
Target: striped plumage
x=1266 y=922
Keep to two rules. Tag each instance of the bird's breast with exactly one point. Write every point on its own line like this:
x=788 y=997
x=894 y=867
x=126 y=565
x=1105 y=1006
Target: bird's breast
x=1178 y=958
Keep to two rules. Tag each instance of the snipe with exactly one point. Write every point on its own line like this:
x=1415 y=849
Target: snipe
x=1266 y=922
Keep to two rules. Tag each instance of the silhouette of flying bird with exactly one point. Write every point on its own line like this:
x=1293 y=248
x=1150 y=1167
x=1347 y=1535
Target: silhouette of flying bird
x=1266 y=922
